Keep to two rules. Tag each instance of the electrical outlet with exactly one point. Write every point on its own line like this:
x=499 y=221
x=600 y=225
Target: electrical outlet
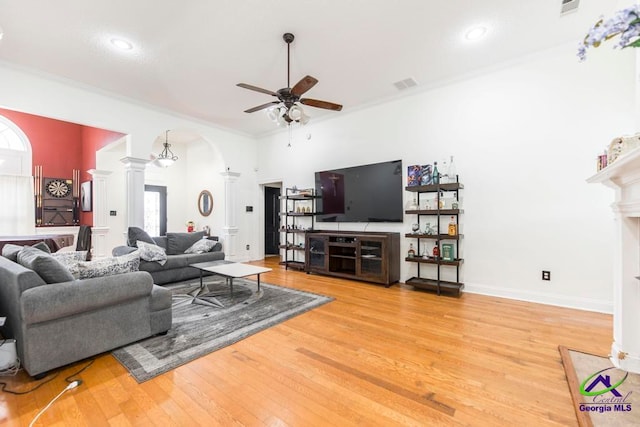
x=546 y=275
x=248 y=247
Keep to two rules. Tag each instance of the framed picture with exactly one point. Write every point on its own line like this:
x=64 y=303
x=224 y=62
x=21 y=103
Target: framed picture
x=426 y=175
x=85 y=196
x=413 y=175
x=447 y=252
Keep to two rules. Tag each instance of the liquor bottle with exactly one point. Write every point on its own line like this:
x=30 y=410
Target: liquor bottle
x=412 y=252
x=441 y=200
x=436 y=251
x=453 y=227
x=436 y=174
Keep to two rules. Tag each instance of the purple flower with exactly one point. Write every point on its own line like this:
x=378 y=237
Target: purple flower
x=625 y=24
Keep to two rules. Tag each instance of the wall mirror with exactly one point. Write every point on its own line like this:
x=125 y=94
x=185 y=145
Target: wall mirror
x=205 y=203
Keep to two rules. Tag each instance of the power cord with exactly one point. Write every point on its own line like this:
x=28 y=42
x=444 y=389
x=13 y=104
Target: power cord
x=71 y=386
x=3 y=385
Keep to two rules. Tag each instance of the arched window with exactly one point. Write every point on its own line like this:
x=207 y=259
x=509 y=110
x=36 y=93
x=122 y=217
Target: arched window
x=17 y=211
x=15 y=149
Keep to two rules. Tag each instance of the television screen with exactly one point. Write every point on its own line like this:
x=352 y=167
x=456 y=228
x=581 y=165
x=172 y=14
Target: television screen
x=368 y=193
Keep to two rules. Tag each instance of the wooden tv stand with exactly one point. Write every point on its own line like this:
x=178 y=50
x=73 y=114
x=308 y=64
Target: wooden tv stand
x=371 y=257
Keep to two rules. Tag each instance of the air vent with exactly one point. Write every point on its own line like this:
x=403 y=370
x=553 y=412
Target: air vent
x=405 y=84
x=569 y=6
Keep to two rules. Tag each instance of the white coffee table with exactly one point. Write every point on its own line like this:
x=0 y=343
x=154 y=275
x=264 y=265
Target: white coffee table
x=231 y=271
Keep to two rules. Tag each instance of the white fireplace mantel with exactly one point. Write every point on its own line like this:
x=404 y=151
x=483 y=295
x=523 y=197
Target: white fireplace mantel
x=623 y=176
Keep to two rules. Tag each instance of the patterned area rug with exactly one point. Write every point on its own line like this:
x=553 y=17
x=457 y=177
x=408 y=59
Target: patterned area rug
x=201 y=329
x=602 y=394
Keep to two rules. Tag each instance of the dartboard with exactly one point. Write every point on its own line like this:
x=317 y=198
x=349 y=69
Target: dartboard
x=58 y=188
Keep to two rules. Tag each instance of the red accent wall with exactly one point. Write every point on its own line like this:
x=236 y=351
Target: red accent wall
x=61 y=146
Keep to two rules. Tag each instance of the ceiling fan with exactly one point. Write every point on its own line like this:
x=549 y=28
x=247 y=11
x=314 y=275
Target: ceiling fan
x=288 y=98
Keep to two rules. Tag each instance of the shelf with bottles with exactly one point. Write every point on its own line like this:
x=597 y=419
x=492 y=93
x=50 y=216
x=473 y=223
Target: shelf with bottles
x=292 y=247
x=298 y=211
x=436 y=203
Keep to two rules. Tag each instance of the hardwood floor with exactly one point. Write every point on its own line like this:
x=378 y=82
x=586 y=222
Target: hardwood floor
x=373 y=357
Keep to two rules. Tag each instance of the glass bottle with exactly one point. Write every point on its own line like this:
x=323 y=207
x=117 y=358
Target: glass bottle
x=444 y=177
x=412 y=252
x=436 y=174
x=436 y=251
x=451 y=172
x=453 y=227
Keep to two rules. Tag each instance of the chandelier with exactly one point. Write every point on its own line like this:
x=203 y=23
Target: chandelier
x=166 y=157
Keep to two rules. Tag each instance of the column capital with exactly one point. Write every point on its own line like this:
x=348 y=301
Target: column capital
x=96 y=172
x=230 y=176
x=134 y=162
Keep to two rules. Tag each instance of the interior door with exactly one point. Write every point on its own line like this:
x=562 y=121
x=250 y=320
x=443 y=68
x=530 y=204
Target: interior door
x=271 y=220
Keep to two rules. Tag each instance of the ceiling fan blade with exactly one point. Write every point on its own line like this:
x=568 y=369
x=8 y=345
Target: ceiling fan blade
x=257 y=89
x=304 y=85
x=261 y=107
x=321 y=104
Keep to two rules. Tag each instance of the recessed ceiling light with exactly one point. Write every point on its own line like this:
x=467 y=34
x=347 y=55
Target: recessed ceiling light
x=476 y=33
x=121 y=44
x=1 y=33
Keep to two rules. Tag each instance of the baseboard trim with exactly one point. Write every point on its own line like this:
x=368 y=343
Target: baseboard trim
x=587 y=304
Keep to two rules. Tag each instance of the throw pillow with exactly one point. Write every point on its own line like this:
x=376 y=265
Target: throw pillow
x=42 y=246
x=11 y=251
x=50 y=269
x=107 y=266
x=66 y=257
x=178 y=243
x=201 y=246
x=149 y=252
x=136 y=234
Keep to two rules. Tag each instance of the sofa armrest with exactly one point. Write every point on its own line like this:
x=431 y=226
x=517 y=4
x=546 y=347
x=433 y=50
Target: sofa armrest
x=122 y=250
x=59 y=300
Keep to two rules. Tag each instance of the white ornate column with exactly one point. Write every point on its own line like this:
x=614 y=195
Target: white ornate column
x=100 y=228
x=134 y=170
x=230 y=229
x=624 y=177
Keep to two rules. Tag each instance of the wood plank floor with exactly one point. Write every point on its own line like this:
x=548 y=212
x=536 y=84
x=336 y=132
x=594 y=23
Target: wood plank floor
x=373 y=357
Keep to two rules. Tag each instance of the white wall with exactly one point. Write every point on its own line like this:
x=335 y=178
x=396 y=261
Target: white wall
x=525 y=137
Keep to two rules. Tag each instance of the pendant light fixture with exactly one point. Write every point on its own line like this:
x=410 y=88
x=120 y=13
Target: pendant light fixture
x=166 y=157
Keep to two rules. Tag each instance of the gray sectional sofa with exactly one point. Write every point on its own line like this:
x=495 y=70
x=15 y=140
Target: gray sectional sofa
x=57 y=323
x=176 y=268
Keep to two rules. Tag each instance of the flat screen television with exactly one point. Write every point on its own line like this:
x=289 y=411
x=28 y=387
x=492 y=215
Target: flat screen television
x=367 y=193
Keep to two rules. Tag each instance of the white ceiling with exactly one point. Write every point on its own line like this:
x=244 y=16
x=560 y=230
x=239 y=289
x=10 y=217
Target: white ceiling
x=189 y=55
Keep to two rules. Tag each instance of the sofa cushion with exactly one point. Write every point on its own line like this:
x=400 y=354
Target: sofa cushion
x=108 y=266
x=135 y=234
x=50 y=269
x=11 y=251
x=201 y=246
x=150 y=252
x=177 y=243
x=173 y=261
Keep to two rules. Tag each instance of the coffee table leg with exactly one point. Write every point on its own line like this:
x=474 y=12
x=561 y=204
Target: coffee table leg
x=258 y=282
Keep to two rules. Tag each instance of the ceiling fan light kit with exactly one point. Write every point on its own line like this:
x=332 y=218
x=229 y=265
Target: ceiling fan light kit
x=287 y=108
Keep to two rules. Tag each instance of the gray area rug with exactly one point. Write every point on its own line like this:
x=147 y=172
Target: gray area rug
x=198 y=330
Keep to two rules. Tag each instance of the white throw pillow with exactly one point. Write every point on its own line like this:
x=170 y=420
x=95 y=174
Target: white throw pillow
x=149 y=252
x=201 y=246
x=106 y=266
